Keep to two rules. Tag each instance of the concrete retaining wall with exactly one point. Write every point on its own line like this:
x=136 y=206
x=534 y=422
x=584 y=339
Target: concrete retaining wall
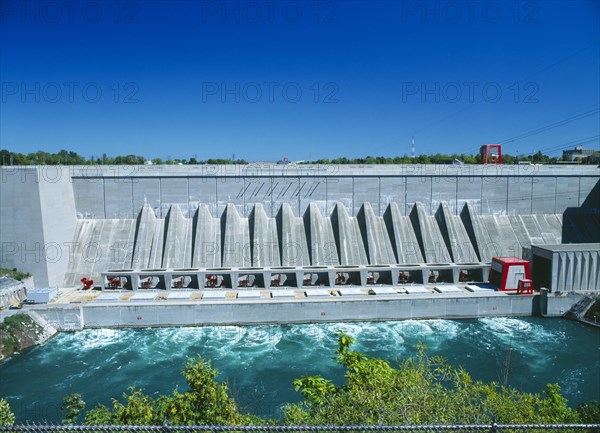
x=37 y=219
x=557 y=305
x=68 y=318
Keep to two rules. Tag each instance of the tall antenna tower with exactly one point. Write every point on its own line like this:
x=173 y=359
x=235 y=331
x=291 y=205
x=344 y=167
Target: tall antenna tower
x=412 y=148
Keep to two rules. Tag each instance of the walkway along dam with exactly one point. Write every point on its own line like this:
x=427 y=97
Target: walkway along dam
x=269 y=226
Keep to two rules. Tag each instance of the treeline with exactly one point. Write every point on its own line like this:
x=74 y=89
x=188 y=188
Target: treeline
x=65 y=157
x=419 y=390
x=437 y=158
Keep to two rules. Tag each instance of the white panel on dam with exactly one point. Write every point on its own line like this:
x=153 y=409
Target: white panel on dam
x=366 y=190
x=586 y=186
x=494 y=192
x=393 y=189
x=418 y=189
x=313 y=190
x=285 y=190
x=230 y=190
x=146 y=191
x=339 y=190
x=89 y=197
x=118 y=197
x=519 y=195
x=566 y=193
x=443 y=190
x=469 y=191
x=203 y=190
x=257 y=190
x=174 y=190
x=544 y=189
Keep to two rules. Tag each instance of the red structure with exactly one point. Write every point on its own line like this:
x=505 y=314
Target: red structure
x=511 y=274
x=491 y=154
x=211 y=281
x=87 y=284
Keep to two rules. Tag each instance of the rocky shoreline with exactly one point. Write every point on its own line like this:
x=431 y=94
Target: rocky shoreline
x=22 y=331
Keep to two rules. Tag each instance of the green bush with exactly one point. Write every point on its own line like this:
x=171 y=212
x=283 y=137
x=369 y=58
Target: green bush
x=7 y=418
x=421 y=390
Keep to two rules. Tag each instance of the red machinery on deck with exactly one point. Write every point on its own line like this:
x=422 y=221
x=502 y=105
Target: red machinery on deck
x=491 y=154
x=511 y=274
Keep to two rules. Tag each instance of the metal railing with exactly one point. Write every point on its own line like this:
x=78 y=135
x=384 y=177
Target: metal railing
x=487 y=428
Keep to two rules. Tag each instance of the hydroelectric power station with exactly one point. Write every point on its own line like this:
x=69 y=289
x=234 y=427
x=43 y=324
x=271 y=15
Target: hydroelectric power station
x=264 y=242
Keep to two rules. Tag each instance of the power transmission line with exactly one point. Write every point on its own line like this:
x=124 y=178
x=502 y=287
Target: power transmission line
x=551 y=126
x=570 y=144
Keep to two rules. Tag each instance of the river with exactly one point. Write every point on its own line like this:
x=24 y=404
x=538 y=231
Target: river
x=260 y=362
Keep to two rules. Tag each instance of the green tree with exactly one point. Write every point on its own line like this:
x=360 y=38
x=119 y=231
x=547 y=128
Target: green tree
x=205 y=402
x=421 y=390
x=589 y=413
x=71 y=407
x=100 y=415
x=7 y=418
x=139 y=409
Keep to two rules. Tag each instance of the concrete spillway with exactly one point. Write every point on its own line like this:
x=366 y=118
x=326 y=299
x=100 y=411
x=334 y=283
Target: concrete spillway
x=313 y=239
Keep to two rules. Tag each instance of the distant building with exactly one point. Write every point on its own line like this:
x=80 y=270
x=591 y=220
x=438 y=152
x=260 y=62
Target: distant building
x=579 y=154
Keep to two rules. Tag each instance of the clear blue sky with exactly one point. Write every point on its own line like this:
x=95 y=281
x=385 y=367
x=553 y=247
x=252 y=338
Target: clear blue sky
x=303 y=79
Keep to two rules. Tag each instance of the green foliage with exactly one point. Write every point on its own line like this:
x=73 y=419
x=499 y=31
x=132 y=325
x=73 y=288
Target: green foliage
x=314 y=388
x=65 y=157
x=100 y=415
x=437 y=158
x=7 y=418
x=420 y=390
x=593 y=313
x=14 y=274
x=139 y=409
x=210 y=400
x=71 y=407
x=16 y=333
x=589 y=413
x=205 y=402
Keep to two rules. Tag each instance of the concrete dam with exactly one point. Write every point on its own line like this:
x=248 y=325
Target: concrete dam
x=64 y=223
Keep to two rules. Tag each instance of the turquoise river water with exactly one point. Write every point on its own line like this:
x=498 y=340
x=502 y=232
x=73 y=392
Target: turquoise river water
x=260 y=362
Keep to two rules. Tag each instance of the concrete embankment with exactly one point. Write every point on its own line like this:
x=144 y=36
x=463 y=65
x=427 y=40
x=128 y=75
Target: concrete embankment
x=69 y=317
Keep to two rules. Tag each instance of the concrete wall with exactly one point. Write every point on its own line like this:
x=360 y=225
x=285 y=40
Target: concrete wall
x=260 y=312
x=557 y=305
x=120 y=193
x=37 y=221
